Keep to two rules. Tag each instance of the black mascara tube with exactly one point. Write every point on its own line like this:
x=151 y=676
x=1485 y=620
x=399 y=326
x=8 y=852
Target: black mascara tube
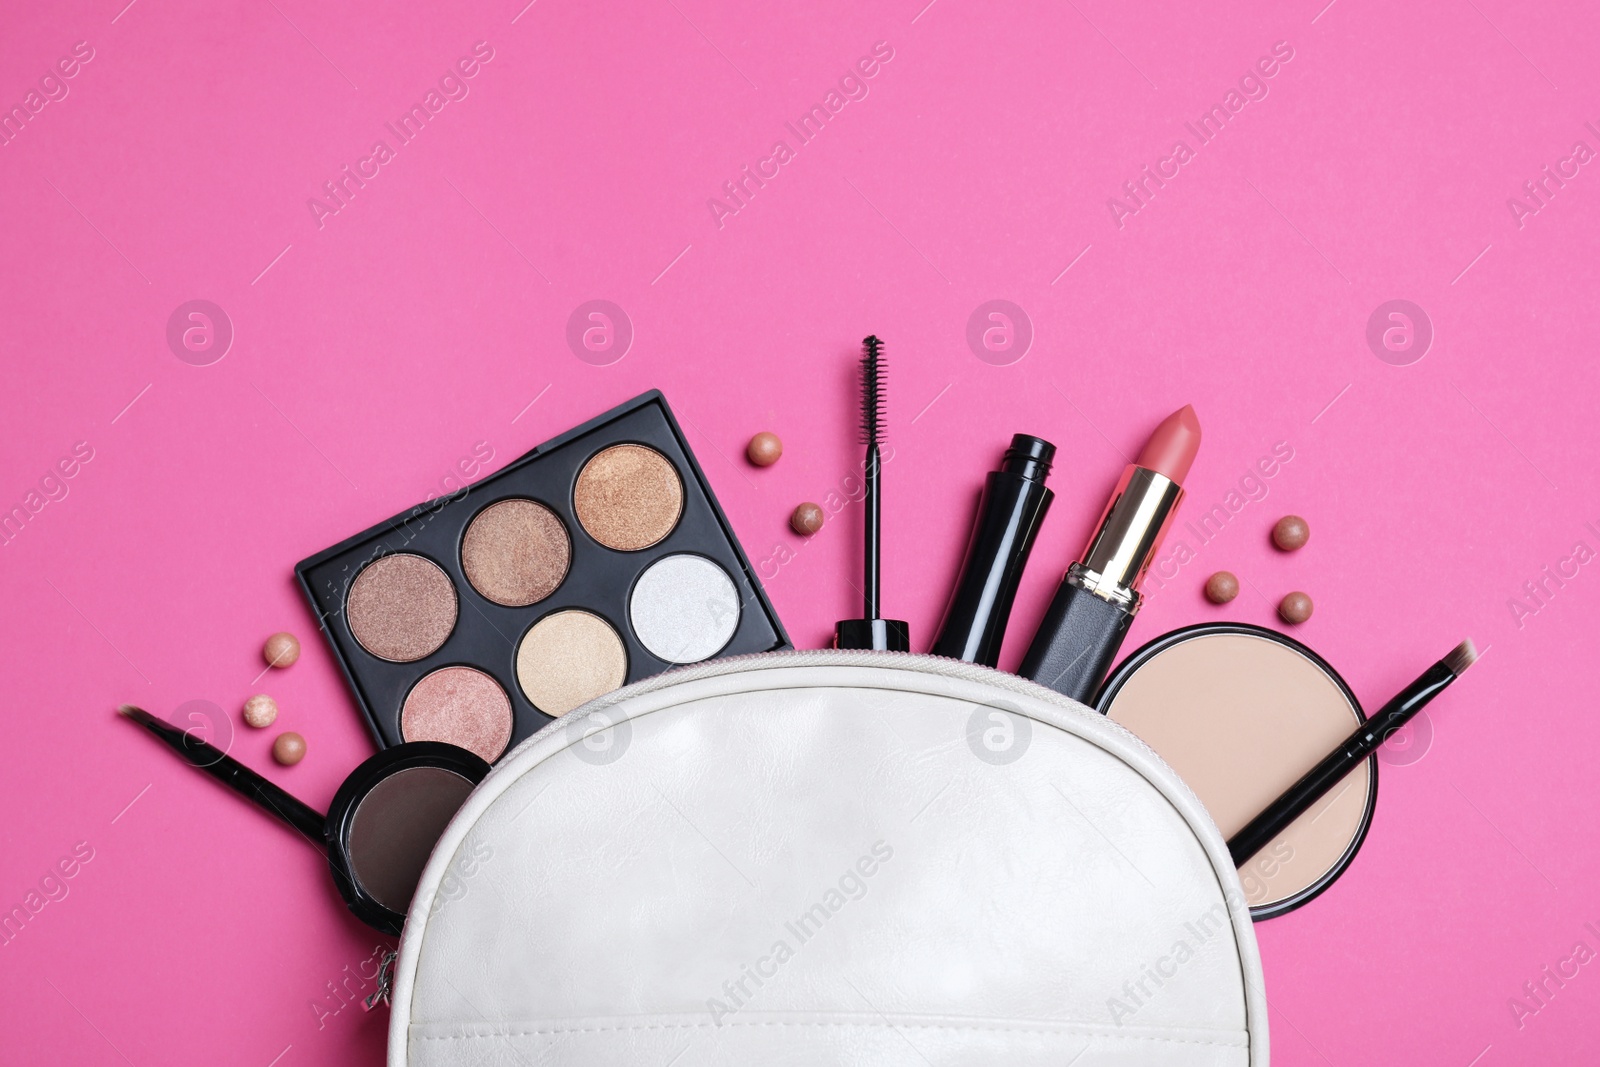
x=1010 y=513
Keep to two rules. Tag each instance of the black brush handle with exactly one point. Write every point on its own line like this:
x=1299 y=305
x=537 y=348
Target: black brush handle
x=1079 y=637
x=235 y=775
x=1331 y=770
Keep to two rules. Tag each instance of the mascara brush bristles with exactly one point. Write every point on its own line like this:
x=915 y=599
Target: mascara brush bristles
x=873 y=400
x=1461 y=657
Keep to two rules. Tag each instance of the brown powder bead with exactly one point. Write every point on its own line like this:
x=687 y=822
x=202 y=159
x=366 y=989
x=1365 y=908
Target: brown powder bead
x=281 y=650
x=1222 y=587
x=1290 y=533
x=289 y=748
x=1295 y=608
x=764 y=449
x=807 y=519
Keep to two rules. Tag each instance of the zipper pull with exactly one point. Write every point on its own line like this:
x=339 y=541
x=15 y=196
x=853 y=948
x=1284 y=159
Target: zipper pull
x=385 y=981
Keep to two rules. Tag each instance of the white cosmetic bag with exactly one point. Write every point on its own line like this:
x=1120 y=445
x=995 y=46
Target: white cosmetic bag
x=830 y=858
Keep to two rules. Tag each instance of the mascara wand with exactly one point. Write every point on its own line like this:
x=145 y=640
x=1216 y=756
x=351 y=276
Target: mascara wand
x=891 y=635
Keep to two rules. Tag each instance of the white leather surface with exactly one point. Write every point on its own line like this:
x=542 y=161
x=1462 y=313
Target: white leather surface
x=963 y=910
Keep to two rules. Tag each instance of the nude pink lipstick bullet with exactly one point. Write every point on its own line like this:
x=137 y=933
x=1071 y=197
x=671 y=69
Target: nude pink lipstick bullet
x=1084 y=626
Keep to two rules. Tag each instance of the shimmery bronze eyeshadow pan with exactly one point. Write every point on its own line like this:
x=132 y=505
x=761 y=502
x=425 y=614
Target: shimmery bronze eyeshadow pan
x=628 y=497
x=516 y=552
x=597 y=559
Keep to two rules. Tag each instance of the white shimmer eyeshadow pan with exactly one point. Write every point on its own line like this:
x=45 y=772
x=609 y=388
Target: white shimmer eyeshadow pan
x=684 y=608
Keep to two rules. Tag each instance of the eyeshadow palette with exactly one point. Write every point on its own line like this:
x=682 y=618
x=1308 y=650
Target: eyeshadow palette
x=599 y=558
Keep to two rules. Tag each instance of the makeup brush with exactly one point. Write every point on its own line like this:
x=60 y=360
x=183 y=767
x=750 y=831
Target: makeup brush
x=1294 y=802
x=890 y=635
x=376 y=872
x=233 y=774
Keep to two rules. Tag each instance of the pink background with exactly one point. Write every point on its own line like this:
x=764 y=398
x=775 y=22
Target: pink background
x=373 y=353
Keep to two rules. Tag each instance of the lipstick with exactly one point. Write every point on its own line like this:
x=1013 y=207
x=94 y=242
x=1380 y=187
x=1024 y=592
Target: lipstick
x=1084 y=626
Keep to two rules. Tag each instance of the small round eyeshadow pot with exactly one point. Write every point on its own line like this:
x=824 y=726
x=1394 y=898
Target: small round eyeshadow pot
x=1241 y=712
x=386 y=819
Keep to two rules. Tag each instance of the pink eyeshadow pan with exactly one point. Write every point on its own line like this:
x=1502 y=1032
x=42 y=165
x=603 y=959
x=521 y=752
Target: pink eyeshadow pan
x=461 y=706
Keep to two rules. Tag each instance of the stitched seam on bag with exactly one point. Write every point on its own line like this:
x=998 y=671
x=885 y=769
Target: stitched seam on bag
x=1066 y=1030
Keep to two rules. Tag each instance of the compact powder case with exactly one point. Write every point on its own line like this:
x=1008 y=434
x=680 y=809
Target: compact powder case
x=386 y=819
x=1241 y=712
x=599 y=558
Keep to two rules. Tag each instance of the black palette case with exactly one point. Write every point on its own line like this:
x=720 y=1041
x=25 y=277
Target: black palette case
x=599 y=579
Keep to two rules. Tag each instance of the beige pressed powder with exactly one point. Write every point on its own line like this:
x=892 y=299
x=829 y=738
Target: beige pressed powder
x=1241 y=713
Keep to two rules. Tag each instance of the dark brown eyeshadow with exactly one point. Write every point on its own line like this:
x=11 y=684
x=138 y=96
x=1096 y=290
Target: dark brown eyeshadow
x=395 y=828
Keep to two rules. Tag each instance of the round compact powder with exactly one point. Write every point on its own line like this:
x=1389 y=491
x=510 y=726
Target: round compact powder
x=516 y=552
x=461 y=706
x=628 y=497
x=684 y=608
x=568 y=659
x=401 y=607
x=1241 y=713
x=395 y=827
